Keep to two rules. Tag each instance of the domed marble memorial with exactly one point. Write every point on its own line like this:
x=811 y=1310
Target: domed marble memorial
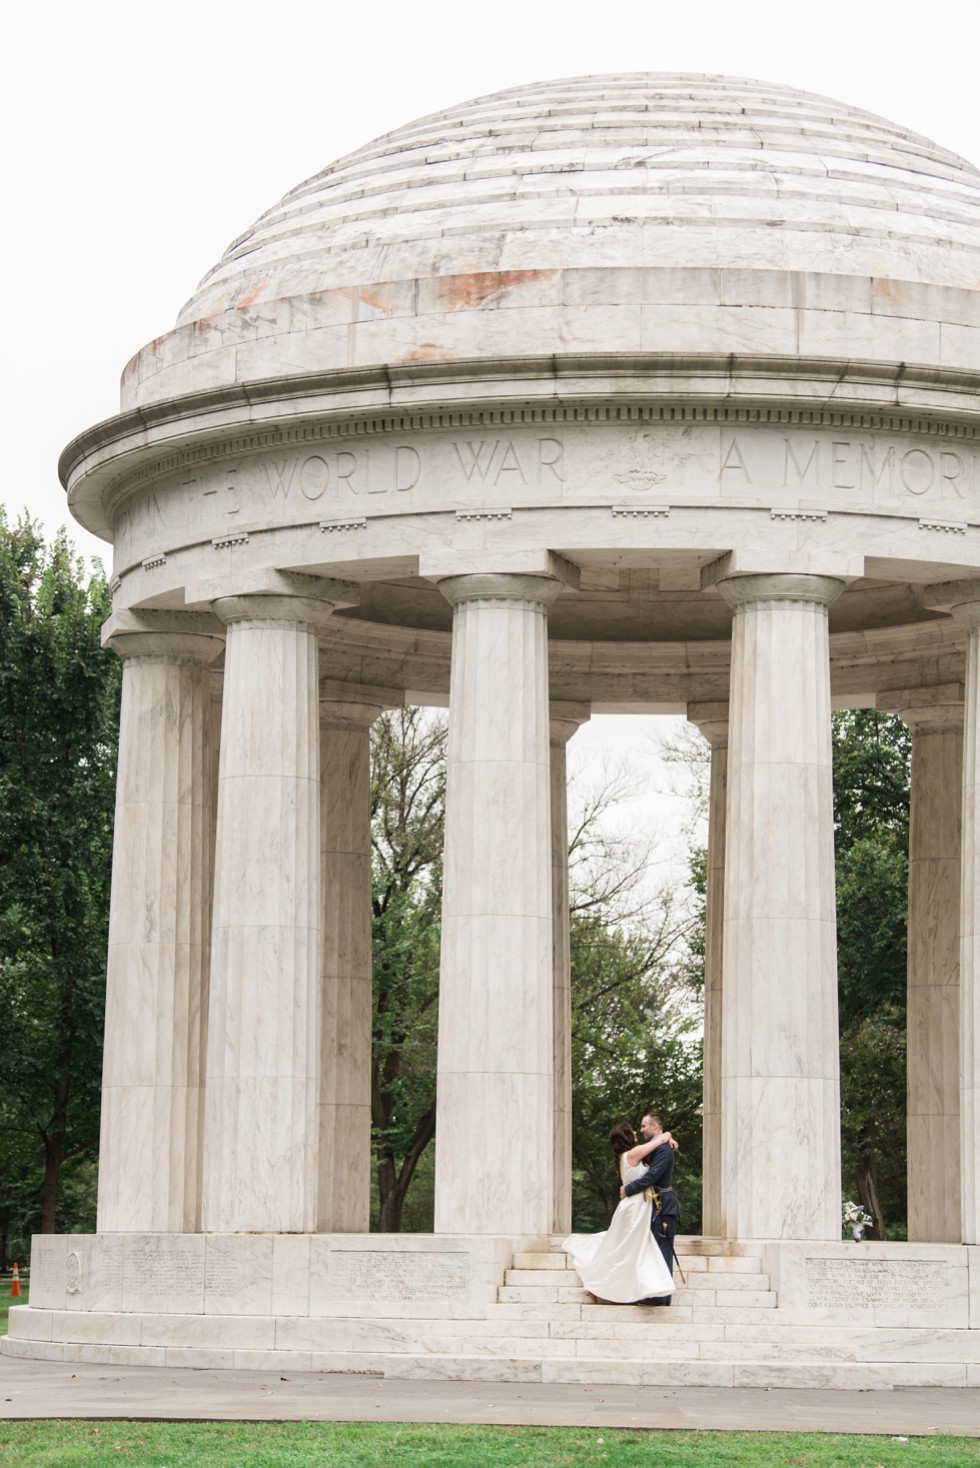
x=640 y=393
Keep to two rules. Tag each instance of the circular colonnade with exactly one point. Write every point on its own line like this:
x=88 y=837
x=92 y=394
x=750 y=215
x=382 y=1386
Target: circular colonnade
x=622 y=394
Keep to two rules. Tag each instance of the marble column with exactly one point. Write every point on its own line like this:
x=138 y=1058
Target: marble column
x=261 y=1098
x=970 y=942
x=780 y=1070
x=712 y=720
x=566 y=718
x=962 y=599
x=344 y=1108
x=157 y=977
x=495 y=1097
x=935 y=716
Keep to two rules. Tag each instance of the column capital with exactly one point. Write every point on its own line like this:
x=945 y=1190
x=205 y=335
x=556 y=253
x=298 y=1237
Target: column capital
x=925 y=710
x=960 y=598
x=565 y=718
x=262 y=594
x=309 y=602
x=180 y=637
x=438 y=566
x=355 y=705
x=739 y=591
x=499 y=586
x=712 y=720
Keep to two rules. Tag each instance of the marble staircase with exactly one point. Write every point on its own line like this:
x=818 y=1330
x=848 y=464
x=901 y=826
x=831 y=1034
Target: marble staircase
x=723 y=1328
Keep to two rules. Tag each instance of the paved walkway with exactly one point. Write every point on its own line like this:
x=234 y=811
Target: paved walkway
x=56 y=1389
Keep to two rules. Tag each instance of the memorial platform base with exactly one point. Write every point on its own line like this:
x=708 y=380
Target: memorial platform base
x=862 y=1316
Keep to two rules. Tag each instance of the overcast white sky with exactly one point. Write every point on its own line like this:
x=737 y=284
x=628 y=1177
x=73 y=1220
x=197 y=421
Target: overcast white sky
x=139 y=140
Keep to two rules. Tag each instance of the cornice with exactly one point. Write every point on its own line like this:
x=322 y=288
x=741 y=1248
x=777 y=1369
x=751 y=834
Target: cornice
x=106 y=461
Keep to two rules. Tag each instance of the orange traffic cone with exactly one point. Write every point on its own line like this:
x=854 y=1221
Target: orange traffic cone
x=15 y=1282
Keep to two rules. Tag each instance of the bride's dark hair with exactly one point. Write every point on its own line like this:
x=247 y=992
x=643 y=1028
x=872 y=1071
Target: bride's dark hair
x=621 y=1139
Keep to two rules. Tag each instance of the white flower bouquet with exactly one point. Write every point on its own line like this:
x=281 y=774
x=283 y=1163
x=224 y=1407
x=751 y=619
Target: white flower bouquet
x=854 y=1220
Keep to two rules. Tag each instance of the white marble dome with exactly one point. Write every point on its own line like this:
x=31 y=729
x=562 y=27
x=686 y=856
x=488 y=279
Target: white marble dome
x=637 y=214
x=636 y=170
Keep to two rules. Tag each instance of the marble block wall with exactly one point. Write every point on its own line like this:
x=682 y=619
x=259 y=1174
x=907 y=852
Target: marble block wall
x=190 y=1276
x=933 y=1286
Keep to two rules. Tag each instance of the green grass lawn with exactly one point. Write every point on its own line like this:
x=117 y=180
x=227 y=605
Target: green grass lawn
x=6 y=1302
x=364 y=1445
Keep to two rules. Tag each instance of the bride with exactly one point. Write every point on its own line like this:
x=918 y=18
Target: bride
x=624 y=1264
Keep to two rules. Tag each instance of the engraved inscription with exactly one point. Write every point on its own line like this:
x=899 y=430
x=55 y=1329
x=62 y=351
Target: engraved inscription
x=100 y=1268
x=377 y=470
x=897 y=1284
x=221 y=1274
x=862 y=468
x=496 y=460
x=396 y=1277
x=154 y=1264
x=469 y=466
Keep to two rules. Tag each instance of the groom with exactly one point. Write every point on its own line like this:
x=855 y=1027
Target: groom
x=659 y=1176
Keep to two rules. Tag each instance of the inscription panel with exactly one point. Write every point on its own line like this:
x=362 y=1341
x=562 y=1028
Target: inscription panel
x=882 y=1284
x=163 y=1272
x=587 y=463
x=49 y=1255
x=238 y=1273
x=387 y=1277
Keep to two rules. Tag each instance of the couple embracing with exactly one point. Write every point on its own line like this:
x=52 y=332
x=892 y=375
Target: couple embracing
x=632 y=1262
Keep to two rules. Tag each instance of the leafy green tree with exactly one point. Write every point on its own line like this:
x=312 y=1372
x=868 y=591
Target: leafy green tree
x=408 y=793
x=872 y=753
x=872 y=759
x=633 y=1041
x=59 y=696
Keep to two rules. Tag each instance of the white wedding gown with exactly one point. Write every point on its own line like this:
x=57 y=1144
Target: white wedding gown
x=624 y=1264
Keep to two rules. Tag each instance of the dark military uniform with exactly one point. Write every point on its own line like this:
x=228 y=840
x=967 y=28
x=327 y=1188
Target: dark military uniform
x=666 y=1216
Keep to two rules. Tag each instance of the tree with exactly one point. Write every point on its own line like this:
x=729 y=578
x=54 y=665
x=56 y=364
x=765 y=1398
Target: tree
x=632 y=1037
x=872 y=753
x=635 y=1016
x=872 y=757
x=59 y=696
x=408 y=793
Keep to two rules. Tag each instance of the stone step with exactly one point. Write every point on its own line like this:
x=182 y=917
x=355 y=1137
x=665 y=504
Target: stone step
x=691 y=1264
x=722 y=1263
x=653 y=1346
x=639 y=1369
x=714 y=1279
x=693 y=1245
x=710 y=1278
x=546 y=1278
x=555 y=1260
x=701 y=1291
x=531 y=1310
x=623 y=1330
x=715 y=1248
x=747 y=1372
